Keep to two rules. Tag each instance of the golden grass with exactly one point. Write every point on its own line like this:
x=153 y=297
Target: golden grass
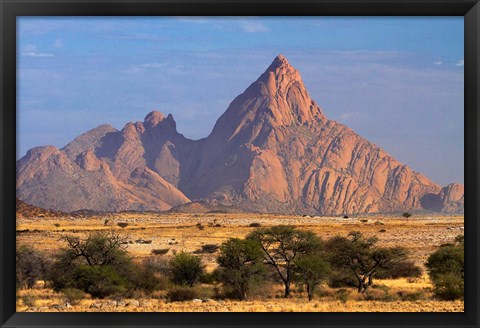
x=421 y=235
x=44 y=299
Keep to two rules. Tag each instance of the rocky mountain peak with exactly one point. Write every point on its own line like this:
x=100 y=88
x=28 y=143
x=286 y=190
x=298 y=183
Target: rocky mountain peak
x=273 y=150
x=153 y=118
x=156 y=119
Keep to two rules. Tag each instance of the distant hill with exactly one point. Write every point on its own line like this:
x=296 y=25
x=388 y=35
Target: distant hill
x=25 y=210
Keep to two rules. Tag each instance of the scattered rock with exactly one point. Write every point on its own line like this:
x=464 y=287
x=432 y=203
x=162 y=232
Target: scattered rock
x=133 y=303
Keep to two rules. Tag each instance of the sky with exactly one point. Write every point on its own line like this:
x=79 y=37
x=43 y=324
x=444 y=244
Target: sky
x=396 y=81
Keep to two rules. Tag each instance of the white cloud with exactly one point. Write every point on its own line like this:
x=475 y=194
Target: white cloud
x=153 y=65
x=460 y=62
x=58 y=43
x=438 y=62
x=36 y=54
x=31 y=50
x=253 y=27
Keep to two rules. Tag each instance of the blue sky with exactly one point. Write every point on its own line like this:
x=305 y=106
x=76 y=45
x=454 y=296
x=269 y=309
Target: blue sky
x=397 y=81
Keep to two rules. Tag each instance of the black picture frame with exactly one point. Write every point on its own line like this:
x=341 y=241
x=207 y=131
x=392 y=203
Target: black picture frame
x=10 y=9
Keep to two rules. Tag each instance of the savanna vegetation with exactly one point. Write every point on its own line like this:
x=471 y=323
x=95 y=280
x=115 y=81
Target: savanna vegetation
x=98 y=266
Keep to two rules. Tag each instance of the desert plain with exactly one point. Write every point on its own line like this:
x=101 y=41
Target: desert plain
x=145 y=232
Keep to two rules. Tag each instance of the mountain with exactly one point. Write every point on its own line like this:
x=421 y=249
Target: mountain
x=273 y=150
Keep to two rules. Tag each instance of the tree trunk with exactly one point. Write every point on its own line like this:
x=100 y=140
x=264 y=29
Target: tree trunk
x=287 y=289
x=310 y=292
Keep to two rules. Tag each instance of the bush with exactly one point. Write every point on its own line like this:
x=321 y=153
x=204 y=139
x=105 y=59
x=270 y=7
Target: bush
x=407 y=215
x=208 y=248
x=181 y=294
x=161 y=251
x=73 y=295
x=449 y=287
x=100 y=281
x=157 y=264
x=404 y=269
x=209 y=277
x=254 y=225
x=446 y=270
x=185 y=269
x=200 y=226
x=30 y=266
x=342 y=278
x=122 y=225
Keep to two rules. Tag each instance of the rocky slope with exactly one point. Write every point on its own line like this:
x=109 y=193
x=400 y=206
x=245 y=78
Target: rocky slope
x=273 y=150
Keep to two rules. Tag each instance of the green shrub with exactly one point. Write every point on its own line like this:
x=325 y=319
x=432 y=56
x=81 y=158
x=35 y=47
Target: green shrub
x=446 y=270
x=209 y=277
x=254 y=225
x=407 y=215
x=342 y=278
x=403 y=269
x=185 y=269
x=100 y=281
x=181 y=294
x=449 y=287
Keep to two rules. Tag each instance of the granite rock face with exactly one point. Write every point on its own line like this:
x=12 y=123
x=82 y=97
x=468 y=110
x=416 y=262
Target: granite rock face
x=273 y=150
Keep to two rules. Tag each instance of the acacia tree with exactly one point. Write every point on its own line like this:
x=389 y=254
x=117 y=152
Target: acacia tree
x=360 y=256
x=312 y=270
x=281 y=246
x=97 y=248
x=240 y=266
x=97 y=264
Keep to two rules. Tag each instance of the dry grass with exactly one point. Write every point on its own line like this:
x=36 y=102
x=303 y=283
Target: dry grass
x=46 y=300
x=178 y=231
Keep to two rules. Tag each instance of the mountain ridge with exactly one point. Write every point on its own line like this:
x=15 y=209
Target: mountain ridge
x=272 y=150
